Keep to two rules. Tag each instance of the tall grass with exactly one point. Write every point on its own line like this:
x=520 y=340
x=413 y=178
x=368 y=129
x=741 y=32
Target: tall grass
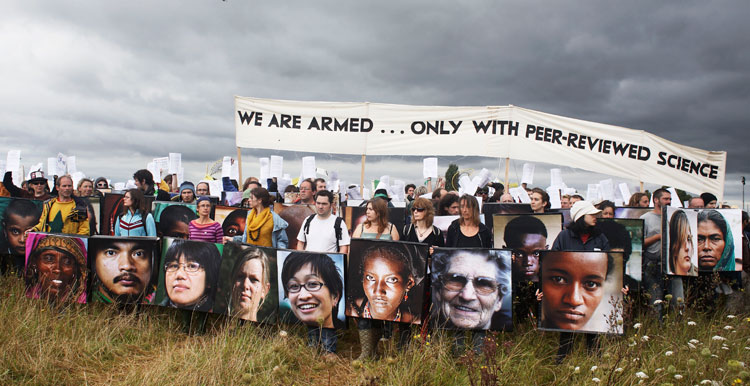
x=98 y=344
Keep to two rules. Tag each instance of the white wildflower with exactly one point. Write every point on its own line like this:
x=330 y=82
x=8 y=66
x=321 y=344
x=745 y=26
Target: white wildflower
x=668 y=353
x=691 y=323
x=641 y=375
x=618 y=370
x=658 y=301
x=731 y=316
x=694 y=341
x=637 y=326
x=724 y=348
x=577 y=369
x=283 y=334
x=718 y=338
x=677 y=377
x=728 y=328
x=658 y=370
x=593 y=368
x=645 y=338
x=595 y=380
x=691 y=345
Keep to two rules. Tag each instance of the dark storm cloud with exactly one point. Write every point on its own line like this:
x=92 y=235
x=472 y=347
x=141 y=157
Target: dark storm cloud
x=144 y=79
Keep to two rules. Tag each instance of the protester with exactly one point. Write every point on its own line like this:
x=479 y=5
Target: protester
x=709 y=200
x=448 y=205
x=409 y=192
x=565 y=201
x=263 y=227
x=37 y=183
x=101 y=183
x=85 y=188
x=202 y=189
x=65 y=213
x=134 y=218
x=607 y=209
x=320 y=184
x=144 y=181
x=638 y=200
x=306 y=191
x=204 y=228
x=507 y=199
x=539 y=200
x=187 y=193
x=322 y=231
x=467 y=231
x=696 y=203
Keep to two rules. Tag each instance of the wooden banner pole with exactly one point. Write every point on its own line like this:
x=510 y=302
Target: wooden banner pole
x=507 y=172
x=239 y=165
x=362 y=176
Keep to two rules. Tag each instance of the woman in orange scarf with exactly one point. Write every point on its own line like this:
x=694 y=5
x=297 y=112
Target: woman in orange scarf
x=264 y=227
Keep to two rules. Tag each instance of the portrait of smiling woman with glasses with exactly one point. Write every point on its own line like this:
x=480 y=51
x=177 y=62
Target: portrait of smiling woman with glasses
x=469 y=287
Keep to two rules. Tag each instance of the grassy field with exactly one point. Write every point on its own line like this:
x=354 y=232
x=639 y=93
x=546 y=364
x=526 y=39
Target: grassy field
x=96 y=344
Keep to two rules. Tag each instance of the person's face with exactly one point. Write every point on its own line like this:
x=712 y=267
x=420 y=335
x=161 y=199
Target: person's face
x=643 y=202
x=57 y=271
x=140 y=185
x=322 y=206
x=37 y=187
x=565 y=203
x=237 y=227
x=248 y=289
x=204 y=208
x=321 y=185
x=15 y=227
x=201 y=189
x=127 y=200
x=537 y=204
x=187 y=195
x=710 y=245
x=384 y=286
x=608 y=212
x=124 y=268
x=305 y=191
x=180 y=230
x=664 y=201
x=465 y=211
x=506 y=198
x=185 y=288
x=696 y=203
x=370 y=213
x=87 y=189
x=682 y=260
x=589 y=219
x=418 y=213
x=572 y=286
x=311 y=307
x=65 y=187
x=470 y=306
x=453 y=210
x=255 y=203
x=410 y=192
x=103 y=185
x=711 y=204
x=525 y=258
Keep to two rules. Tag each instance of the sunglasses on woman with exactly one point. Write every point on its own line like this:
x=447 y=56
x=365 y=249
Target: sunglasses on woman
x=418 y=210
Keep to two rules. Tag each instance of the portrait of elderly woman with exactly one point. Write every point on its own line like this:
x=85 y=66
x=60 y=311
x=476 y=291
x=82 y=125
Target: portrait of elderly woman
x=386 y=280
x=581 y=291
x=247 y=283
x=189 y=274
x=471 y=289
x=56 y=267
x=716 y=244
x=312 y=288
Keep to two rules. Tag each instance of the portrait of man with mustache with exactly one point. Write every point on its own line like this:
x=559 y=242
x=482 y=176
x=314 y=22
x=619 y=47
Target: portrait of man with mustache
x=122 y=268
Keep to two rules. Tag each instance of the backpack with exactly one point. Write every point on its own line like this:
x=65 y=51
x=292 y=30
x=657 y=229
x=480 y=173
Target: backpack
x=336 y=227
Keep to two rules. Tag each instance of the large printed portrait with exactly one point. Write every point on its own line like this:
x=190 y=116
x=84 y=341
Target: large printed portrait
x=232 y=220
x=386 y=280
x=526 y=235
x=471 y=289
x=581 y=291
x=490 y=209
x=123 y=269
x=17 y=215
x=311 y=288
x=719 y=240
x=188 y=274
x=56 y=267
x=247 y=283
x=294 y=215
x=679 y=249
x=626 y=235
x=173 y=218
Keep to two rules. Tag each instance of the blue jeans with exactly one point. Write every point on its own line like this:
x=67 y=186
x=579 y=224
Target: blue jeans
x=324 y=337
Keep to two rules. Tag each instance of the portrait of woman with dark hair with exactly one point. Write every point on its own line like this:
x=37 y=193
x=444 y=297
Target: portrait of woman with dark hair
x=314 y=286
x=715 y=242
x=190 y=271
x=56 y=268
x=382 y=277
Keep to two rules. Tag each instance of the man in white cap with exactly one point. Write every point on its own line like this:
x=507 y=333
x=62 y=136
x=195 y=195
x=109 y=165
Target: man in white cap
x=581 y=234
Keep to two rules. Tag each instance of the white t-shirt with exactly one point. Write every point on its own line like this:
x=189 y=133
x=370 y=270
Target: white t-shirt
x=322 y=235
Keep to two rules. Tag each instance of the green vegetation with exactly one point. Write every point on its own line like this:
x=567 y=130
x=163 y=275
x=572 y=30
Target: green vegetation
x=97 y=344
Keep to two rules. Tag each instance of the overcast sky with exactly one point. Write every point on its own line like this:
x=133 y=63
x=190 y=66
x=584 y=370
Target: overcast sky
x=119 y=83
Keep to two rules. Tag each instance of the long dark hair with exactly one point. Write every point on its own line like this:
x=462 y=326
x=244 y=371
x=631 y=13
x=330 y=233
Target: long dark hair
x=139 y=203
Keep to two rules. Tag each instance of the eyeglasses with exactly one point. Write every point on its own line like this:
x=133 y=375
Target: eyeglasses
x=101 y=185
x=483 y=285
x=36 y=183
x=418 y=209
x=191 y=267
x=310 y=286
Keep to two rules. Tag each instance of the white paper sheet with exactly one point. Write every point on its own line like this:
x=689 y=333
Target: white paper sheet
x=607 y=189
x=77 y=177
x=592 y=192
x=276 y=167
x=308 y=167
x=528 y=174
x=624 y=191
x=430 y=167
x=226 y=167
x=51 y=166
x=234 y=171
x=62 y=164
x=555 y=176
x=162 y=163
x=151 y=166
x=520 y=195
x=554 y=197
x=72 y=168
x=175 y=163
x=675 y=198
x=180 y=176
x=13 y=161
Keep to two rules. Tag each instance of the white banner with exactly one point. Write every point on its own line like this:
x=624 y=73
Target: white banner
x=488 y=131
